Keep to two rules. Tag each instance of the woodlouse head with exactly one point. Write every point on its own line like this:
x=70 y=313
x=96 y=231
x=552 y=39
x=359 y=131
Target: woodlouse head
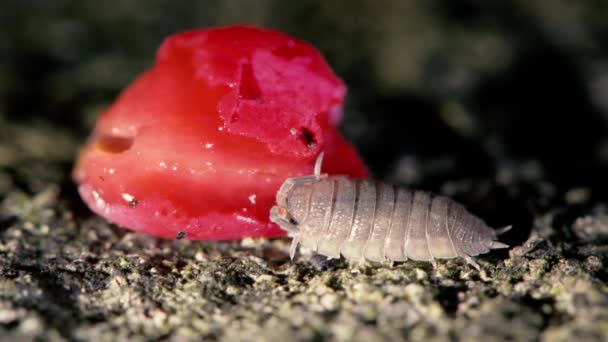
x=298 y=203
x=283 y=194
x=293 y=201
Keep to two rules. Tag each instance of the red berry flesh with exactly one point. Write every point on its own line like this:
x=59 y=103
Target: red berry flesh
x=198 y=146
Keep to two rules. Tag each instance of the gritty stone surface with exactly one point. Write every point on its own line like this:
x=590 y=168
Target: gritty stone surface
x=67 y=274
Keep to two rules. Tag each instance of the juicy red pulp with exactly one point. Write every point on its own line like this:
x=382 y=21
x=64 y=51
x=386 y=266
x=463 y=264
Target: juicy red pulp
x=199 y=144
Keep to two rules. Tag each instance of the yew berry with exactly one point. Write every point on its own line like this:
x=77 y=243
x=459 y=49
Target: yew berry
x=198 y=146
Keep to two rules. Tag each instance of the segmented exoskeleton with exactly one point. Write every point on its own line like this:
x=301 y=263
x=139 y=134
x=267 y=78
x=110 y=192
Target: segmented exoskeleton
x=364 y=219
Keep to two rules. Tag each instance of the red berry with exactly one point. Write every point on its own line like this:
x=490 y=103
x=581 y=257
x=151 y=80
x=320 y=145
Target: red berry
x=198 y=146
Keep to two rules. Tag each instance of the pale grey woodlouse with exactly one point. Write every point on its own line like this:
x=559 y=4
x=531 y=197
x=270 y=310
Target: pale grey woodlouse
x=364 y=219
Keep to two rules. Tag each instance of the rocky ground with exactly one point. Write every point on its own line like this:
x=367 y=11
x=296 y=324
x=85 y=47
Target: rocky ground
x=68 y=274
x=499 y=107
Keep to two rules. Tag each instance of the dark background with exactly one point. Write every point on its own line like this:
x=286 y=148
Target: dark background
x=503 y=106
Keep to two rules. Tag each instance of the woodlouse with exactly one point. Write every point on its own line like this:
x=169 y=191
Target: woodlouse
x=363 y=219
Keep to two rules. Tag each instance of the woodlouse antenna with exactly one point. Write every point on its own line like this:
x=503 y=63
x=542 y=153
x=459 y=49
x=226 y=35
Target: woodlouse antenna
x=318 y=164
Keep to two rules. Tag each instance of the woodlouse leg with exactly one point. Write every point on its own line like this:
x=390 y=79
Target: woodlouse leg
x=320 y=262
x=278 y=216
x=472 y=262
x=294 y=247
x=434 y=263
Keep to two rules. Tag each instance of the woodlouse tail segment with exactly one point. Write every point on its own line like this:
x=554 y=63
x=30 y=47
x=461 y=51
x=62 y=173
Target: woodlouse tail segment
x=498 y=245
x=503 y=230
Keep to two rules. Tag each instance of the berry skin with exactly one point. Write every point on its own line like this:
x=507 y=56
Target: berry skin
x=198 y=145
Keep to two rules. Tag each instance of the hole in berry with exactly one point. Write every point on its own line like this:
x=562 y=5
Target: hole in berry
x=248 y=88
x=234 y=118
x=114 y=143
x=307 y=137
